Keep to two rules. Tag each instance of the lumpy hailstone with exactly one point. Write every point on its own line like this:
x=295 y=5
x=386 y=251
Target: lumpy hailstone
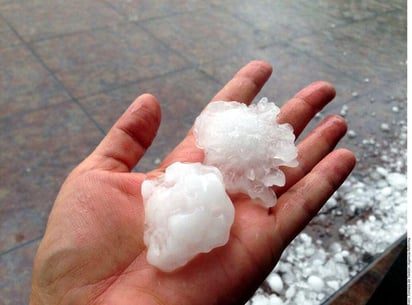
x=187 y=212
x=247 y=145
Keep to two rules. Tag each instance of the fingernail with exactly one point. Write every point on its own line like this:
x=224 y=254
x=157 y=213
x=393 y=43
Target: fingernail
x=137 y=105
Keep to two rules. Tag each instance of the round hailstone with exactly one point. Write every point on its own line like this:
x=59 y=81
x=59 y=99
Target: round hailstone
x=316 y=283
x=187 y=212
x=247 y=145
x=275 y=300
x=352 y=134
x=385 y=127
x=397 y=180
x=275 y=282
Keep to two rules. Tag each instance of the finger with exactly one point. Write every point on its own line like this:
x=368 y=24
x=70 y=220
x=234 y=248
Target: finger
x=242 y=88
x=311 y=150
x=127 y=141
x=246 y=83
x=300 y=203
x=299 y=110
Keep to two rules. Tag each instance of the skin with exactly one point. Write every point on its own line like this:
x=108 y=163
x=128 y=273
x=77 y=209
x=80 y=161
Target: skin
x=93 y=251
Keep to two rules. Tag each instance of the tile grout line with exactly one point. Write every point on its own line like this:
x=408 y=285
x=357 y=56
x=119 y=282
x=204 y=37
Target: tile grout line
x=27 y=44
x=62 y=35
x=310 y=55
x=286 y=43
x=99 y=28
x=19 y=246
x=164 y=44
x=55 y=78
x=139 y=23
x=346 y=24
x=192 y=65
x=210 y=77
x=136 y=82
x=160 y=16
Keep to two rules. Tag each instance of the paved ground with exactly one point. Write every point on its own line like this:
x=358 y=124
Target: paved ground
x=69 y=68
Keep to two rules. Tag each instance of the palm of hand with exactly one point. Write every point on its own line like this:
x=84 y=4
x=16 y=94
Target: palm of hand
x=104 y=251
x=93 y=251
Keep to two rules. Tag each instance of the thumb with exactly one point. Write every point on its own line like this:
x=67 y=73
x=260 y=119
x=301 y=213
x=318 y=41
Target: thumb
x=128 y=139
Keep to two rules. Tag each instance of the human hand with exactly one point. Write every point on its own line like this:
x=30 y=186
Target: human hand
x=93 y=251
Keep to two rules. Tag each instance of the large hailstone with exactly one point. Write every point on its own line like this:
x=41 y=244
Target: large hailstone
x=187 y=212
x=247 y=145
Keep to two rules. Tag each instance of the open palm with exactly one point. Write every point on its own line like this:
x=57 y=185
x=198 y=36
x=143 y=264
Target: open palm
x=93 y=250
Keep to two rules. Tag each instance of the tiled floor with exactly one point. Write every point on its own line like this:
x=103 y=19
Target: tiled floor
x=69 y=68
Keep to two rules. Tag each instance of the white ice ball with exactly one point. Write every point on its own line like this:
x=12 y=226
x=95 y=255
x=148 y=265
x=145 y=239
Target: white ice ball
x=187 y=212
x=275 y=282
x=275 y=300
x=316 y=283
x=247 y=145
x=397 y=180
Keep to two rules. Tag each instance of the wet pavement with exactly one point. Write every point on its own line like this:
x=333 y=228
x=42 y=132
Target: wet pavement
x=69 y=68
